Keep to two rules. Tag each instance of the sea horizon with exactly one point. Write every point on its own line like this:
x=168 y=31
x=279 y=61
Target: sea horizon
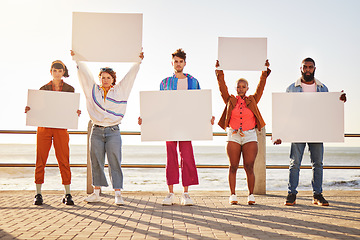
x=153 y=179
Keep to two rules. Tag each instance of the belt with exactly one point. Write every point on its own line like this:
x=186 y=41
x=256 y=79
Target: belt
x=95 y=125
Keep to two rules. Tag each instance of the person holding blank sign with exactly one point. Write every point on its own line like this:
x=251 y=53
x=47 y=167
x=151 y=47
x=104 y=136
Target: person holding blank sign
x=106 y=104
x=240 y=117
x=60 y=137
x=179 y=81
x=307 y=83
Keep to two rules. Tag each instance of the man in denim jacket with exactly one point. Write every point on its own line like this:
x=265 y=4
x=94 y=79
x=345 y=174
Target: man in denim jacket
x=307 y=83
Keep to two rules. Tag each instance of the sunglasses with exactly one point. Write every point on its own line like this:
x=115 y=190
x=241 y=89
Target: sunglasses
x=106 y=69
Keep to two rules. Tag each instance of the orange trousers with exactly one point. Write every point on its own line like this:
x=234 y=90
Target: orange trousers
x=44 y=138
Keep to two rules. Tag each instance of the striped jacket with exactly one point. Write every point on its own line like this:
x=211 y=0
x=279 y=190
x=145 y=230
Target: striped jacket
x=170 y=83
x=109 y=111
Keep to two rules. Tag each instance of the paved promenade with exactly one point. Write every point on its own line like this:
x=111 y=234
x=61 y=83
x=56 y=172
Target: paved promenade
x=144 y=217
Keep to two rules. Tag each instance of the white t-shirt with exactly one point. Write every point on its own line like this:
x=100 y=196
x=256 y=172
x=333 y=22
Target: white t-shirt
x=182 y=84
x=308 y=87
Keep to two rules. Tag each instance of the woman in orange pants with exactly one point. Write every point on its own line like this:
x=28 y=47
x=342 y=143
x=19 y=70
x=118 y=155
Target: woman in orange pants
x=60 y=137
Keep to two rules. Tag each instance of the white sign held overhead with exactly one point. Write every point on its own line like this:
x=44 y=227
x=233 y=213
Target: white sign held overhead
x=180 y=115
x=308 y=117
x=244 y=54
x=107 y=37
x=52 y=109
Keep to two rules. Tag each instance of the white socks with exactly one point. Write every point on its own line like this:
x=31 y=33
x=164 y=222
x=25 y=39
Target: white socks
x=67 y=189
x=97 y=192
x=38 y=188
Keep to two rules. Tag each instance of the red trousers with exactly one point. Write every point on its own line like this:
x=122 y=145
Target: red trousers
x=44 y=139
x=188 y=168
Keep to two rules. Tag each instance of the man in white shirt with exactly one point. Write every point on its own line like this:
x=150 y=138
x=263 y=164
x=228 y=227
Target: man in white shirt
x=307 y=83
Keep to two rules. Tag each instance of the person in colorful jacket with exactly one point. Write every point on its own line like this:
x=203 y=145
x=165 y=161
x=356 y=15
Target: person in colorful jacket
x=240 y=117
x=180 y=81
x=106 y=104
x=60 y=137
x=307 y=83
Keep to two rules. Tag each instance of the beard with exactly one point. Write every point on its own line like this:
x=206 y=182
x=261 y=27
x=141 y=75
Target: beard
x=179 y=70
x=308 y=78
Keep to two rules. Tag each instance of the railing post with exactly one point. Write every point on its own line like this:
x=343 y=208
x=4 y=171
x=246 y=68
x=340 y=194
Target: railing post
x=89 y=187
x=260 y=163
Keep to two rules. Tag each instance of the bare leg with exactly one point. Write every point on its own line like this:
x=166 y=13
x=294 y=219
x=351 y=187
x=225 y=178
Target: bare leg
x=171 y=188
x=234 y=152
x=186 y=189
x=249 y=151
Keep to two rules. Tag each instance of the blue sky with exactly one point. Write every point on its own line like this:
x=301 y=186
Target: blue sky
x=34 y=33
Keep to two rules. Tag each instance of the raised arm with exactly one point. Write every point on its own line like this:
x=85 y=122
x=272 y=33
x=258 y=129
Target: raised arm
x=260 y=87
x=85 y=76
x=127 y=82
x=221 y=82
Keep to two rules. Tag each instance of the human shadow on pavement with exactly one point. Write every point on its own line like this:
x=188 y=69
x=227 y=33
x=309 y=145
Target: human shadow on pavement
x=6 y=236
x=235 y=219
x=146 y=215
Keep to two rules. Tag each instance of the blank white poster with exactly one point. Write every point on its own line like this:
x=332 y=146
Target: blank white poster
x=178 y=115
x=244 y=54
x=107 y=37
x=52 y=109
x=308 y=117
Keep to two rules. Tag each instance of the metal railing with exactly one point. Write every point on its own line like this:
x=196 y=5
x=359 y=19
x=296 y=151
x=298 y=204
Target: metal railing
x=350 y=135
x=135 y=133
x=127 y=165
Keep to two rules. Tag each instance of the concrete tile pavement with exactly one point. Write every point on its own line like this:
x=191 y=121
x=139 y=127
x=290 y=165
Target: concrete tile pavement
x=144 y=217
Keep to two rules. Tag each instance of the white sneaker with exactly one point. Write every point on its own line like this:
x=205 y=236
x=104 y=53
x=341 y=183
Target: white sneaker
x=186 y=200
x=251 y=199
x=233 y=199
x=93 y=198
x=169 y=199
x=118 y=199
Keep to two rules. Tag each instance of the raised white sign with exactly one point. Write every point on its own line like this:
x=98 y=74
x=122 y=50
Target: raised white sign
x=107 y=37
x=245 y=54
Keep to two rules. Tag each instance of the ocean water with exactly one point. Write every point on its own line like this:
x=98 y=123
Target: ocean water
x=154 y=179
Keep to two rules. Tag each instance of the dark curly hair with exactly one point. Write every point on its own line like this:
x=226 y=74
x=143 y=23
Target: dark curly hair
x=179 y=53
x=308 y=59
x=57 y=64
x=109 y=71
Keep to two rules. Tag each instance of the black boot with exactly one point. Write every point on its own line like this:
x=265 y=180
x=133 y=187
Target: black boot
x=38 y=200
x=320 y=200
x=290 y=199
x=68 y=200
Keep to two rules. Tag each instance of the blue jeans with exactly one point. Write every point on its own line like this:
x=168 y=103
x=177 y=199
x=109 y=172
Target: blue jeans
x=106 y=140
x=316 y=156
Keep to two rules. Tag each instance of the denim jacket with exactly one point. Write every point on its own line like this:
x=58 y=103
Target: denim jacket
x=296 y=86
